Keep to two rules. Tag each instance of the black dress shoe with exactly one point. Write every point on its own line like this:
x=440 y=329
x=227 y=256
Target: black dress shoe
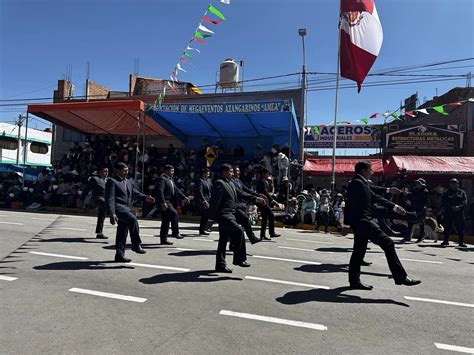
x=203 y=233
x=361 y=286
x=224 y=269
x=122 y=259
x=101 y=236
x=208 y=230
x=264 y=237
x=275 y=235
x=408 y=282
x=178 y=236
x=139 y=250
x=254 y=240
x=243 y=264
x=462 y=245
x=444 y=244
x=365 y=263
x=166 y=242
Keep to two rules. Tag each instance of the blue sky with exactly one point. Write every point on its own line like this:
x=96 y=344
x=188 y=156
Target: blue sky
x=39 y=39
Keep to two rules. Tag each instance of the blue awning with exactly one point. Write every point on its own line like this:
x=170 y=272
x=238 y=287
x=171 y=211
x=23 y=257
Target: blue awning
x=246 y=124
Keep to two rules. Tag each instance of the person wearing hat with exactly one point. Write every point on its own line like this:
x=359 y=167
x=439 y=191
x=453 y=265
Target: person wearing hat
x=454 y=204
x=418 y=200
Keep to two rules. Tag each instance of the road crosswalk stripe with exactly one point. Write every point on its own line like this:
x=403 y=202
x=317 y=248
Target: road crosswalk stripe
x=289 y=260
x=459 y=349
x=59 y=255
x=308 y=241
x=285 y=282
x=8 y=278
x=440 y=301
x=108 y=295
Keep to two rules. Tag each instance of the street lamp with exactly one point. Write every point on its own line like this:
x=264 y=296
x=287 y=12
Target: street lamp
x=302 y=33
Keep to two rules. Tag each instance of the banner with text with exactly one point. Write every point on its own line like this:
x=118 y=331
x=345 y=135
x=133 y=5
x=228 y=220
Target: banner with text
x=248 y=107
x=425 y=137
x=348 y=136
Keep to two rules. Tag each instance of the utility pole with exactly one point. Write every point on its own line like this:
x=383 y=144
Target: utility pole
x=19 y=123
x=302 y=33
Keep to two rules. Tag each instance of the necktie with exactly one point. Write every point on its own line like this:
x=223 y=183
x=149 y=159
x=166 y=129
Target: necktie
x=172 y=186
x=124 y=183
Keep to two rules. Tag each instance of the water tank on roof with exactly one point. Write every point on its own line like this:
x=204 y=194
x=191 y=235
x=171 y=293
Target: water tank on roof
x=229 y=74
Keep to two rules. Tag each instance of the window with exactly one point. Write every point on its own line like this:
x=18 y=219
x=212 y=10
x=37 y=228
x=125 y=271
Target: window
x=72 y=136
x=39 y=148
x=8 y=143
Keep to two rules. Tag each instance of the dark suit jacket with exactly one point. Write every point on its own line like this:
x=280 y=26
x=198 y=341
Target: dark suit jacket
x=118 y=197
x=264 y=189
x=224 y=200
x=97 y=185
x=360 y=201
x=241 y=186
x=204 y=188
x=167 y=191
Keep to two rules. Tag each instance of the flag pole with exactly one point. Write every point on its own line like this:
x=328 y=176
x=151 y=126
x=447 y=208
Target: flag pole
x=334 y=141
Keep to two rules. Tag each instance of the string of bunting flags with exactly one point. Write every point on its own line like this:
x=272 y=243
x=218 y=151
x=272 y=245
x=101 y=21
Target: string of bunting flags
x=394 y=115
x=212 y=16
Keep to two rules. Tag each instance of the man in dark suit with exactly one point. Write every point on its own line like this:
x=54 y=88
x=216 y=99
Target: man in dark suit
x=119 y=195
x=166 y=196
x=203 y=197
x=454 y=204
x=359 y=214
x=223 y=205
x=265 y=210
x=241 y=211
x=96 y=184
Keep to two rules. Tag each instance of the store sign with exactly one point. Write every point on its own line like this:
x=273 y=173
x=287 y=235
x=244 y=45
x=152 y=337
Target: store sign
x=425 y=137
x=348 y=136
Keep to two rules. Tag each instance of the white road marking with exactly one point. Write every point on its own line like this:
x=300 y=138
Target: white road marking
x=290 y=260
x=8 y=278
x=147 y=235
x=13 y=223
x=440 y=301
x=309 y=241
x=185 y=249
x=286 y=282
x=69 y=229
x=419 y=261
x=203 y=240
x=59 y=255
x=43 y=219
x=274 y=320
x=108 y=295
x=459 y=349
x=159 y=267
x=303 y=249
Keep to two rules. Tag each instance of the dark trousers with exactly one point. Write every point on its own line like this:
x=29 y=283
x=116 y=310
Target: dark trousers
x=99 y=228
x=324 y=221
x=167 y=217
x=243 y=219
x=204 y=220
x=230 y=230
x=267 y=218
x=364 y=231
x=458 y=222
x=126 y=222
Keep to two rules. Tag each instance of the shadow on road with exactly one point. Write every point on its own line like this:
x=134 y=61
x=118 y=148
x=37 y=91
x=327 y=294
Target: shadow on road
x=82 y=265
x=333 y=295
x=330 y=268
x=191 y=276
x=73 y=240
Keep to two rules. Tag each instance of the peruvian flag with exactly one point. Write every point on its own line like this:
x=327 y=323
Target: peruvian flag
x=361 y=38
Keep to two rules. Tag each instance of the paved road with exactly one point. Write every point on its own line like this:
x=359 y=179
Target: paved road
x=61 y=293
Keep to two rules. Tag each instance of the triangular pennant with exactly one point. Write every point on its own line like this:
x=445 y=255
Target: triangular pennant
x=171 y=86
x=455 y=104
x=374 y=115
x=227 y=2
x=316 y=130
x=423 y=110
x=178 y=66
x=198 y=40
x=198 y=35
x=214 y=22
x=188 y=48
x=184 y=60
x=204 y=28
x=386 y=114
x=196 y=90
x=365 y=120
x=440 y=109
x=216 y=12
x=186 y=54
x=410 y=113
x=394 y=115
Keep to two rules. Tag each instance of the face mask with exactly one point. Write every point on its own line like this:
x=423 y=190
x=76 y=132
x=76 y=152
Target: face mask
x=274 y=150
x=55 y=187
x=31 y=189
x=25 y=189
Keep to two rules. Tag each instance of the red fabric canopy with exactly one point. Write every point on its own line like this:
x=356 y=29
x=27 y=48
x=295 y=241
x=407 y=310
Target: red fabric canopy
x=115 y=117
x=425 y=165
x=344 y=166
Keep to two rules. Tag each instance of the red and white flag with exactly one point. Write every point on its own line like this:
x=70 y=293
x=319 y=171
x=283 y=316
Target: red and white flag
x=361 y=38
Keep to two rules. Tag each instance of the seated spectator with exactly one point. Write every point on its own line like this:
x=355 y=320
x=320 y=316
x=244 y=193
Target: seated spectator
x=308 y=207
